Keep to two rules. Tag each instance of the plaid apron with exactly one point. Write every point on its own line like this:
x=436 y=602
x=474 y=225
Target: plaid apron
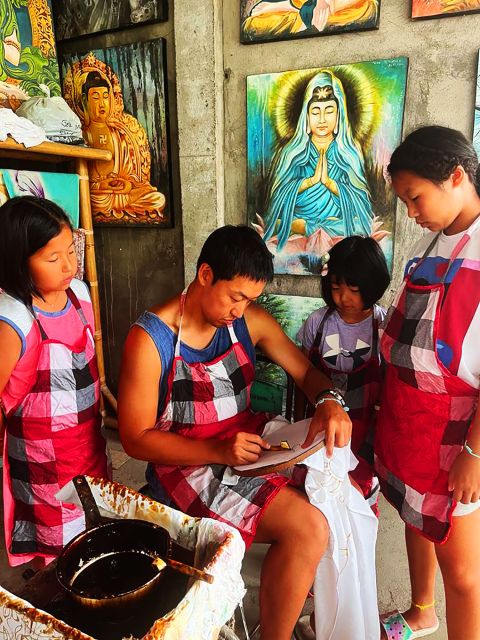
x=212 y=400
x=426 y=410
x=53 y=434
x=361 y=387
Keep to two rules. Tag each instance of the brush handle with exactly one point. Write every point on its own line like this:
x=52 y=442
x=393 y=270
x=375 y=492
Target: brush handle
x=188 y=570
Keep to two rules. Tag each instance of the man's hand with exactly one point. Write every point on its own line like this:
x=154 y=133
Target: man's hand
x=242 y=448
x=331 y=418
x=464 y=478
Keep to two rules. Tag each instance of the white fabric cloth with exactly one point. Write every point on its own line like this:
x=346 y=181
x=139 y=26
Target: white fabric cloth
x=345 y=591
x=345 y=582
x=21 y=129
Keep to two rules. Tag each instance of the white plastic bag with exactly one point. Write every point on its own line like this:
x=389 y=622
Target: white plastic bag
x=54 y=116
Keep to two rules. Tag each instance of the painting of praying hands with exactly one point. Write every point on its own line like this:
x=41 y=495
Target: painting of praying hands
x=119 y=95
x=318 y=144
x=443 y=8
x=267 y=20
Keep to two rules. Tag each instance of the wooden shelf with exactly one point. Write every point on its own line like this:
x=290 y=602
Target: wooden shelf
x=50 y=151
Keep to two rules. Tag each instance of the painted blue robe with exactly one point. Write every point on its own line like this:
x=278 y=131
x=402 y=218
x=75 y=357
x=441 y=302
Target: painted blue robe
x=348 y=213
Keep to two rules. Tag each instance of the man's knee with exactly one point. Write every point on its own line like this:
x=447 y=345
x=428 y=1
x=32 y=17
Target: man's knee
x=309 y=532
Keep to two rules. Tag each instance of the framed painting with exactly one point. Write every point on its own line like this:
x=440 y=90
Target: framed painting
x=61 y=188
x=76 y=18
x=476 y=118
x=269 y=20
x=318 y=144
x=443 y=8
x=290 y=312
x=120 y=97
x=28 y=59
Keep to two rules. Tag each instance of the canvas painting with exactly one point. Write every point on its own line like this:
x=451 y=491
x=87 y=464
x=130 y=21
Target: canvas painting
x=28 y=59
x=61 y=188
x=120 y=97
x=290 y=312
x=443 y=8
x=75 y=18
x=476 y=121
x=318 y=144
x=268 y=20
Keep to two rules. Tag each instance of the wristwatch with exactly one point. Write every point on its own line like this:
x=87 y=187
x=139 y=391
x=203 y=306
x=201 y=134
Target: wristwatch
x=335 y=394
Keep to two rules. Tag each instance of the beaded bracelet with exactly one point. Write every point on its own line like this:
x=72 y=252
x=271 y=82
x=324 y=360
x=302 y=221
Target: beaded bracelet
x=469 y=450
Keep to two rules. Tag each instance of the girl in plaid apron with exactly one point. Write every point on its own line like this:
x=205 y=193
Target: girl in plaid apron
x=212 y=400
x=52 y=424
x=351 y=357
x=428 y=414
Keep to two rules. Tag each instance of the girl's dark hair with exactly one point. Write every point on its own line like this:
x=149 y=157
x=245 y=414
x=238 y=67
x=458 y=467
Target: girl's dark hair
x=26 y=225
x=433 y=153
x=232 y=251
x=359 y=262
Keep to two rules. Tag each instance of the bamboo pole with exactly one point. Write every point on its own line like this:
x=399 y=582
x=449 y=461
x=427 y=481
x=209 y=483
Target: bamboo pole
x=91 y=274
x=53 y=149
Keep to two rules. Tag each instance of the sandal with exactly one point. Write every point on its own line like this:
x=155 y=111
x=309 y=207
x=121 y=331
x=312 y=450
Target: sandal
x=303 y=630
x=397 y=628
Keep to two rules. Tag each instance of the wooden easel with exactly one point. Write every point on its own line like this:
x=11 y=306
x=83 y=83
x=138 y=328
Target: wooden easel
x=56 y=152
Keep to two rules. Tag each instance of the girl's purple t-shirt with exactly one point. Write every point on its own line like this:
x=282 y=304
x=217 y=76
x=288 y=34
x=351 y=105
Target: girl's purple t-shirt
x=344 y=346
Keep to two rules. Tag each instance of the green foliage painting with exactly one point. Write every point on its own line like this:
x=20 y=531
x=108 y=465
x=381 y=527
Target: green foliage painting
x=28 y=61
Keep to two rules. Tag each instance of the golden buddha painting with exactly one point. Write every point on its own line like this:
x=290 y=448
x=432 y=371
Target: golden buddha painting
x=133 y=187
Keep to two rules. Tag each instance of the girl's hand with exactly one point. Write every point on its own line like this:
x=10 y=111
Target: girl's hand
x=464 y=478
x=242 y=448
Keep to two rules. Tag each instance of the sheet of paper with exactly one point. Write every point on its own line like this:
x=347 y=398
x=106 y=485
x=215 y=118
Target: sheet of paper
x=275 y=432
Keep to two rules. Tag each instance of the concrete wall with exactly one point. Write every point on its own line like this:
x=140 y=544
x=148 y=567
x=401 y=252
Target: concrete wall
x=137 y=267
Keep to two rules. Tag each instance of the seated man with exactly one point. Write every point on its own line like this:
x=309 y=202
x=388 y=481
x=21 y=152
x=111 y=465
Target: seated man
x=184 y=405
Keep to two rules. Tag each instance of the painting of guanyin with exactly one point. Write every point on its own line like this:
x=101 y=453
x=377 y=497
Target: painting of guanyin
x=318 y=144
x=28 y=61
x=443 y=8
x=266 y=20
x=122 y=190
x=74 y=18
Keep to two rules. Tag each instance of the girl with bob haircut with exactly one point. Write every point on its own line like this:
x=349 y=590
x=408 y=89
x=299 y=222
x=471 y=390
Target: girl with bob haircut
x=427 y=443
x=341 y=339
x=49 y=386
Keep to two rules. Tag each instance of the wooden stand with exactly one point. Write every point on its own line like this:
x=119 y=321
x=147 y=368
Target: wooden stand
x=57 y=152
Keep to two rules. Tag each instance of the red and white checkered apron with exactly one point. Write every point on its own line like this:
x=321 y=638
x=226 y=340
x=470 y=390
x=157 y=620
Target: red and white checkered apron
x=53 y=434
x=361 y=387
x=212 y=400
x=426 y=411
